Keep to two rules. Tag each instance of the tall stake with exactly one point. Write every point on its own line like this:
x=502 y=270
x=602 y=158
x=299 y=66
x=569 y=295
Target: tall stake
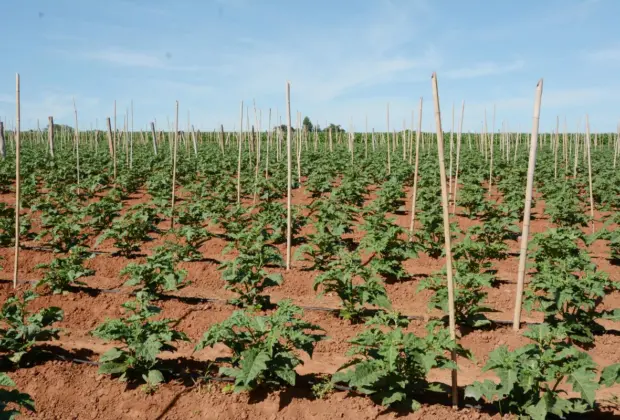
x=446 y=229
x=414 y=194
x=240 y=143
x=590 y=171
x=289 y=175
x=17 y=177
x=389 y=165
x=458 y=158
x=528 y=207
x=50 y=135
x=174 y=163
x=2 y=143
x=154 y=134
x=77 y=147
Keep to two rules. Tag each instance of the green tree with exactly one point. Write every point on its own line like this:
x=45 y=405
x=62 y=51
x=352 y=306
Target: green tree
x=307 y=124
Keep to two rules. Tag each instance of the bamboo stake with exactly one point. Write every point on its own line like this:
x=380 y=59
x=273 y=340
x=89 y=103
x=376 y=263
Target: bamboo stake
x=50 y=135
x=154 y=138
x=446 y=228
x=240 y=144
x=194 y=142
x=174 y=163
x=450 y=159
x=389 y=165
x=289 y=175
x=458 y=157
x=491 y=147
x=17 y=176
x=590 y=170
x=414 y=194
x=556 y=146
x=2 y=142
x=268 y=144
x=111 y=145
x=528 y=207
x=77 y=147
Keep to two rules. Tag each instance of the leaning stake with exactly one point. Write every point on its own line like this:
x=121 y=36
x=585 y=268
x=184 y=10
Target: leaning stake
x=446 y=229
x=528 y=204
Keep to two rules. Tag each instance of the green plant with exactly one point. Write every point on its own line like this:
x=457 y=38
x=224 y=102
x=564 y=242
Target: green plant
x=142 y=340
x=383 y=241
x=469 y=294
x=62 y=273
x=354 y=283
x=566 y=287
x=392 y=365
x=246 y=274
x=12 y=398
x=532 y=377
x=157 y=275
x=20 y=330
x=133 y=228
x=264 y=348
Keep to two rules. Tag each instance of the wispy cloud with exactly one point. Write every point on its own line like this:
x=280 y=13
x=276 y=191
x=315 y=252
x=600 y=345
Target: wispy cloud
x=484 y=69
x=608 y=54
x=127 y=58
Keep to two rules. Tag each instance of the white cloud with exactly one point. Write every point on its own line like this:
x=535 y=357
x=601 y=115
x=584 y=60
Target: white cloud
x=483 y=69
x=128 y=58
x=610 y=54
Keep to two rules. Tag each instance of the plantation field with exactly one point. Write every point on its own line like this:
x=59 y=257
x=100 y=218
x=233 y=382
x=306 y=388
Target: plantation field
x=247 y=338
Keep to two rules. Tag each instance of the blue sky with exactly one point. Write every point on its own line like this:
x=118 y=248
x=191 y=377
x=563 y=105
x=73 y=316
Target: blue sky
x=346 y=59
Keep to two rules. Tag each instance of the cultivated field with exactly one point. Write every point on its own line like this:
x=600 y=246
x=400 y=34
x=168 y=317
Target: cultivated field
x=159 y=262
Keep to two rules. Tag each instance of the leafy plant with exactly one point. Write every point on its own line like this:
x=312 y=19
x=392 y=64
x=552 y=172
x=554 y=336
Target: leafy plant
x=383 y=241
x=157 y=275
x=264 y=348
x=12 y=398
x=354 y=283
x=469 y=294
x=142 y=340
x=246 y=274
x=20 y=330
x=392 y=365
x=133 y=228
x=62 y=273
x=531 y=377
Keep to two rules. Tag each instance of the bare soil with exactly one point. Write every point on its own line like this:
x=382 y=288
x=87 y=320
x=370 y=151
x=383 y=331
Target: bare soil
x=70 y=390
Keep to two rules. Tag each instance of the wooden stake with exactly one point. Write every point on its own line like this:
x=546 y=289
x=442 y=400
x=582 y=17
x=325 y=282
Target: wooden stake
x=414 y=194
x=589 y=170
x=458 y=157
x=289 y=176
x=50 y=135
x=2 y=142
x=240 y=144
x=77 y=147
x=174 y=163
x=154 y=134
x=446 y=229
x=528 y=207
x=17 y=177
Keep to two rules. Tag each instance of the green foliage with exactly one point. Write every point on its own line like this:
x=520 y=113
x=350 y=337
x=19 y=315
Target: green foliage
x=142 y=340
x=12 y=401
x=265 y=349
x=62 y=273
x=7 y=226
x=566 y=286
x=532 y=377
x=383 y=240
x=157 y=275
x=131 y=229
x=246 y=274
x=20 y=330
x=392 y=365
x=101 y=213
x=469 y=294
x=354 y=283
